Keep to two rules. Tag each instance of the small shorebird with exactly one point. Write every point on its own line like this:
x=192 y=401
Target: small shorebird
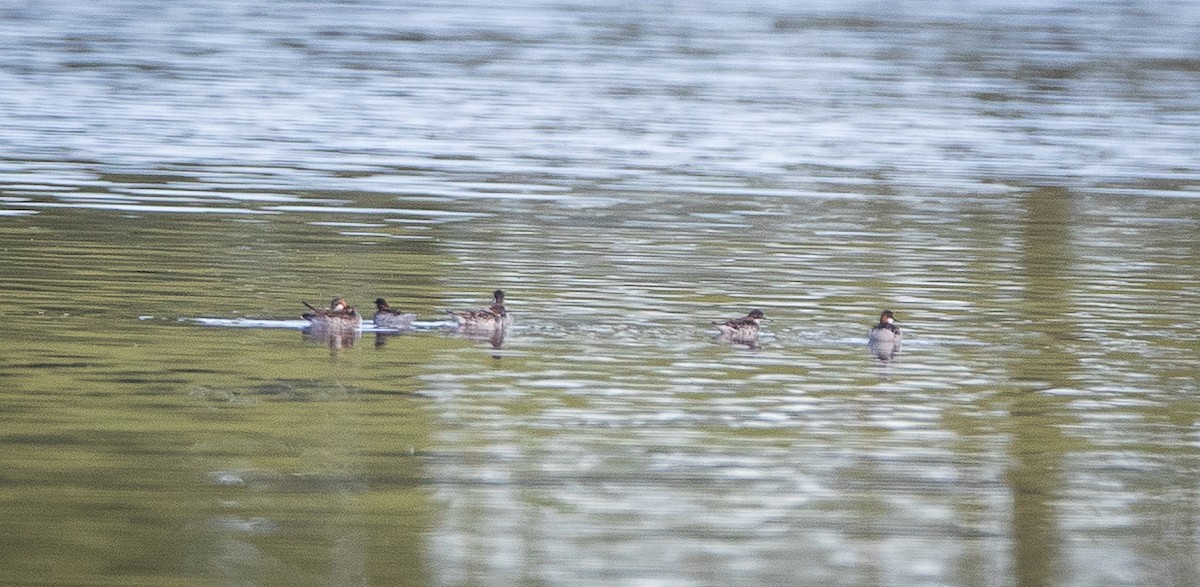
x=884 y=338
x=389 y=317
x=338 y=316
x=740 y=329
x=494 y=317
x=886 y=330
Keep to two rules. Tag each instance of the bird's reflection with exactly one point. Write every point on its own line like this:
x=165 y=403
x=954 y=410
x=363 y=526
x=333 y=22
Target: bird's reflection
x=335 y=338
x=493 y=336
x=381 y=338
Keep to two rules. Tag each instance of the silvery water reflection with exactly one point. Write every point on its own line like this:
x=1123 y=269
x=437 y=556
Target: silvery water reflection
x=178 y=177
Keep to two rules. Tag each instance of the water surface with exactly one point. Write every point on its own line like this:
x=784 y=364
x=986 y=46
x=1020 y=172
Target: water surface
x=1018 y=183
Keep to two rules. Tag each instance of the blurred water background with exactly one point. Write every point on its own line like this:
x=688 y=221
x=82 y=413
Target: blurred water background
x=1019 y=181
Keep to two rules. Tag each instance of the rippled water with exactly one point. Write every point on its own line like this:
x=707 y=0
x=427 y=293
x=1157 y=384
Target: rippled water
x=1018 y=182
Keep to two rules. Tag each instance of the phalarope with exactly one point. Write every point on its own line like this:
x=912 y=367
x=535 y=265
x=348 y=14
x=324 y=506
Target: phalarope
x=389 y=317
x=742 y=328
x=886 y=330
x=496 y=316
x=339 y=315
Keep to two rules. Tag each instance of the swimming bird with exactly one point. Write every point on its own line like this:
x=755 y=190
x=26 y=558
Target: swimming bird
x=884 y=338
x=741 y=328
x=339 y=316
x=389 y=317
x=886 y=330
x=495 y=316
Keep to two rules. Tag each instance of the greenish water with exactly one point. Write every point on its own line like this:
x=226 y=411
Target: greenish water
x=1017 y=182
x=1039 y=424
